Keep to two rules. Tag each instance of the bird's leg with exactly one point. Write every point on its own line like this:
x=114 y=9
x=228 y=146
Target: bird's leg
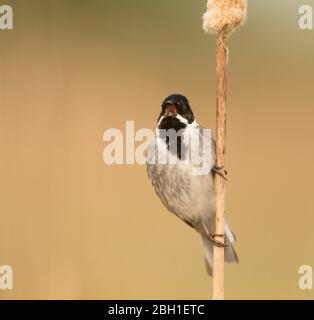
x=221 y=171
x=216 y=243
x=212 y=238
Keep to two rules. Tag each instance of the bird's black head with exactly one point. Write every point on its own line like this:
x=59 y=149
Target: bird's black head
x=176 y=113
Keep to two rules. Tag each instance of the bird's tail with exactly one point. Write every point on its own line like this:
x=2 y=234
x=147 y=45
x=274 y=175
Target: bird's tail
x=230 y=253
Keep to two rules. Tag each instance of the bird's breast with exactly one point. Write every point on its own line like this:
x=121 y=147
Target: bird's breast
x=187 y=195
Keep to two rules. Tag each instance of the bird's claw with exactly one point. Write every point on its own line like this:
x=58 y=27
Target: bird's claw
x=217 y=243
x=221 y=171
x=211 y=237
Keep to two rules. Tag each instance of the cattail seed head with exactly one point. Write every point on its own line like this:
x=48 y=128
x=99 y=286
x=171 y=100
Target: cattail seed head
x=224 y=15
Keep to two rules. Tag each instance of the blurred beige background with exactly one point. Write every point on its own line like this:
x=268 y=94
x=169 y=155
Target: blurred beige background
x=75 y=228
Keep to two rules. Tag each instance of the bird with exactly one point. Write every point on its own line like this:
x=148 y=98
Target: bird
x=185 y=193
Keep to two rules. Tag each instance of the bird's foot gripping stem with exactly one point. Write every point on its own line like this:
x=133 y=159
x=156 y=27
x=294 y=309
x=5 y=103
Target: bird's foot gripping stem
x=212 y=238
x=221 y=171
x=217 y=243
